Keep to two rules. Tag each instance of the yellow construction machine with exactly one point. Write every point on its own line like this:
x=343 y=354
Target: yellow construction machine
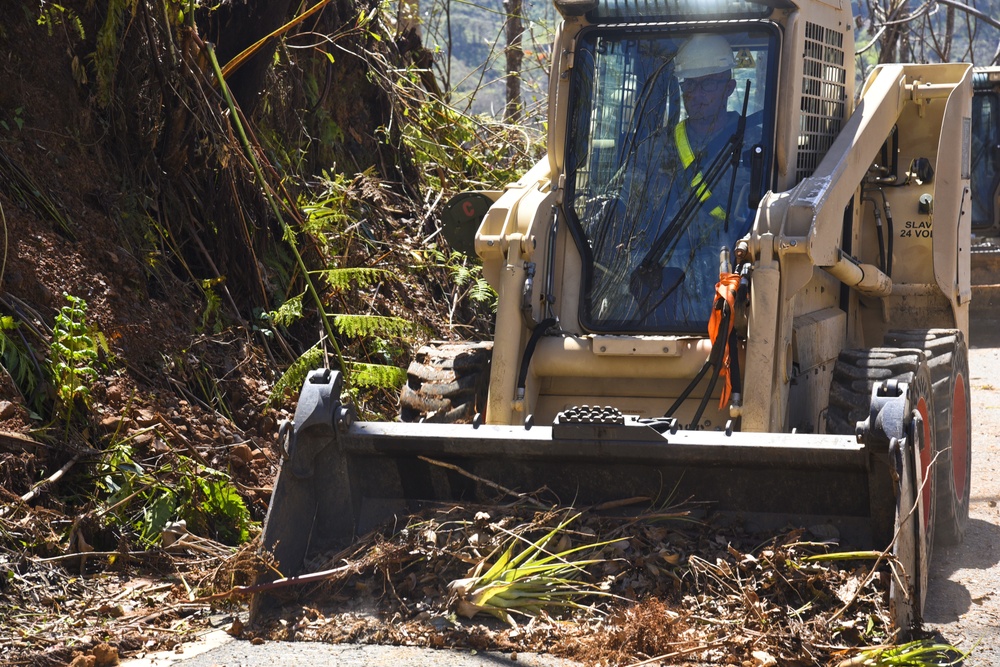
x=732 y=278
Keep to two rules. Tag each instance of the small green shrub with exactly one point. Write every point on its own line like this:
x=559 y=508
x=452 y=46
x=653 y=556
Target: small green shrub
x=74 y=356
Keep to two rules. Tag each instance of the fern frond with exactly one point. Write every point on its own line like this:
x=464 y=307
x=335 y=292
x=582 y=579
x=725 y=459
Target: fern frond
x=482 y=292
x=341 y=279
x=296 y=374
x=288 y=313
x=360 y=326
x=376 y=376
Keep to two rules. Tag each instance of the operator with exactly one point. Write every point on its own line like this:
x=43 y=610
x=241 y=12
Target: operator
x=704 y=67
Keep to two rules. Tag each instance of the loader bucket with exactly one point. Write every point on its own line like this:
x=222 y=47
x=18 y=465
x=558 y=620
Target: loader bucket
x=341 y=478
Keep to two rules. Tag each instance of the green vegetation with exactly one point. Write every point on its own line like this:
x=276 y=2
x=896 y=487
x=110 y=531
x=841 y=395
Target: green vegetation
x=527 y=578
x=920 y=653
x=140 y=499
x=74 y=356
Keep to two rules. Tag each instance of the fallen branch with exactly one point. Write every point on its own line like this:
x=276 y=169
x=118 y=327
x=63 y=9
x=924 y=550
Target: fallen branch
x=45 y=483
x=481 y=480
x=184 y=441
x=312 y=577
x=15 y=442
x=677 y=654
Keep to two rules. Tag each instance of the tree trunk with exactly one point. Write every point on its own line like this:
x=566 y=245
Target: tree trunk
x=232 y=26
x=515 y=56
x=949 y=31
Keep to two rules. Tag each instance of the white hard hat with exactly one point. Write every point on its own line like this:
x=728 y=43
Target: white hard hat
x=703 y=54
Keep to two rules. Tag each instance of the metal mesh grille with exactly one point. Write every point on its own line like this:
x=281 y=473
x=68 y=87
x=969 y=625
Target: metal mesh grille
x=824 y=97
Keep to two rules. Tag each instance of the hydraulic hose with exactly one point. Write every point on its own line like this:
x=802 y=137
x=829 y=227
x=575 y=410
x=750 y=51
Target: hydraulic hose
x=529 y=351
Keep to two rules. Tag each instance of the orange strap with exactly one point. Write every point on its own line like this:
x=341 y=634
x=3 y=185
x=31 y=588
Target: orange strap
x=724 y=289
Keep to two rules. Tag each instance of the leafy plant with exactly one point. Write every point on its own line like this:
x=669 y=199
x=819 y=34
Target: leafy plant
x=18 y=120
x=212 y=507
x=466 y=276
x=145 y=502
x=293 y=377
x=19 y=363
x=361 y=326
x=920 y=653
x=74 y=353
x=529 y=581
x=213 y=305
x=377 y=376
x=331 y=207
x=52 y=14
x=342 y=279
x=109 y=46
x=288 y=313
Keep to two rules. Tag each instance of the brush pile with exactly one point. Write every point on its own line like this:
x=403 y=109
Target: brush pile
x=603 y=587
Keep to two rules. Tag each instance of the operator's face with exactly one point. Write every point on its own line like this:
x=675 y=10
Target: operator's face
x=705 y=96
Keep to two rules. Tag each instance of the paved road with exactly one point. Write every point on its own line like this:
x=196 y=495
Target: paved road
x=219 y=650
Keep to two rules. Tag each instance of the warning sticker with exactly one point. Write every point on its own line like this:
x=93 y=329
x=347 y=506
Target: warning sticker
x=744 y=58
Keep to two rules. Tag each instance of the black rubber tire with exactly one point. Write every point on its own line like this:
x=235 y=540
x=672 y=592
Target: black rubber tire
x=855 y=374
x=446 y=383
x=948 y=358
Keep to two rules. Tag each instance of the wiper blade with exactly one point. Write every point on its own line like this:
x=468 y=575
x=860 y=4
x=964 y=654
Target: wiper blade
x=669 y=236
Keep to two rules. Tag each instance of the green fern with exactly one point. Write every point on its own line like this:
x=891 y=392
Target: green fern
x=362 y=326
x=342 y=279
x=74 y=355
x=288 y=313
x=463 y=274
x=331 y=209
x=51 y=15
x=292 y=379
x=376 y=376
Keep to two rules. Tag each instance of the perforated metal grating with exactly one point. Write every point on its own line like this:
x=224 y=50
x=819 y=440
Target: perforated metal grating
x=824 y=97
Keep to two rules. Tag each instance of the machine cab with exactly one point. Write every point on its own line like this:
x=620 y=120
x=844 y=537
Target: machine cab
x=986 y=153
x=669 y=147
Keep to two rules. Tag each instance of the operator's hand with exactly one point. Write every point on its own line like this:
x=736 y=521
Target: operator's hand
x=651 y=283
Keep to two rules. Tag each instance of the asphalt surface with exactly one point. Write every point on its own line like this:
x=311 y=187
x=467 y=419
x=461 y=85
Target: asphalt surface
x=219 y=650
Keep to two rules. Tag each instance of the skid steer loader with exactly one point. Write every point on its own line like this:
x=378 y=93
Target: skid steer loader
x=765 y=308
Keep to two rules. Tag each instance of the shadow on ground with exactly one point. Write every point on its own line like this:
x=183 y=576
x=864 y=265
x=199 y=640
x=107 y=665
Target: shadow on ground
x=947 y=600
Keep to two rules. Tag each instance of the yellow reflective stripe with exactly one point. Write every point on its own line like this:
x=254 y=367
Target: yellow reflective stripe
x=687 y=157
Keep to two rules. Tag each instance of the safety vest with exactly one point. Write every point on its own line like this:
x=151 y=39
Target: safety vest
x=687 y=158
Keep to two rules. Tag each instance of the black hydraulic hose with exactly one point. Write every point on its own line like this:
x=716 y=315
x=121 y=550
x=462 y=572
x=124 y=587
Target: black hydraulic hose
x=715 y=359
x=529 y=351
x=735 y=379
x=888 y=224
x=879 y=232
x=714 y=362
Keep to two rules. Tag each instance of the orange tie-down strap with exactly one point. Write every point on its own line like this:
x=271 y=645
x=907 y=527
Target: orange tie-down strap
x=724 y=289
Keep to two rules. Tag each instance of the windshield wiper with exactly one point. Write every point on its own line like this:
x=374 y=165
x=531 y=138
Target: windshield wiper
x=649 y=275
x=734 y=160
